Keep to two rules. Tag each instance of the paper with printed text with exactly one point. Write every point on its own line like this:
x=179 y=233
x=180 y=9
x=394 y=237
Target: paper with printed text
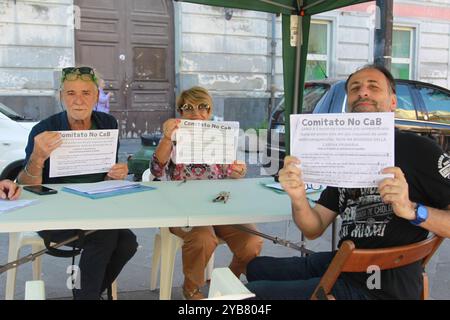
x=210 y=142
x=84 y=152
x=343 y=150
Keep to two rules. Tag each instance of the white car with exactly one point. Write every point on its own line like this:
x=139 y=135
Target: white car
x=14 y=130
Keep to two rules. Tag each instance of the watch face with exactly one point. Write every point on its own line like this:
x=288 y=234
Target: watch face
x=422 y=213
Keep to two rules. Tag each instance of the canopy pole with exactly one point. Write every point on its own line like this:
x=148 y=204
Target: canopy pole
x=297 y=63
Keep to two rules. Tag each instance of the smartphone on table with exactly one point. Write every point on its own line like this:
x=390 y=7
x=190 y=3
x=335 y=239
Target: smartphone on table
x=40 y=189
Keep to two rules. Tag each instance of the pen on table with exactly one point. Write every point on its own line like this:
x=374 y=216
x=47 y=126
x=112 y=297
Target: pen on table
x=184 y=181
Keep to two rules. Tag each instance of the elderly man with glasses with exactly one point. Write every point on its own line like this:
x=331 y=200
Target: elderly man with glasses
x=104 y=252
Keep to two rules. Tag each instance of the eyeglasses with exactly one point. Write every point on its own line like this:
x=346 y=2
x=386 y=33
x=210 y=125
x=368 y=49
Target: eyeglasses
x=83 y=73
x=187 y=107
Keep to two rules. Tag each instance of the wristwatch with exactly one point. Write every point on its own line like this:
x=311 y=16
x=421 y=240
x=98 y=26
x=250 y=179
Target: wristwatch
x=421 y=214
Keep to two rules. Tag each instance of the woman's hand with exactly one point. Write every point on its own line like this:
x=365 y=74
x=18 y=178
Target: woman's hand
x=170 y=127
x=119 y=171
x=164 y=148
x=238 y=169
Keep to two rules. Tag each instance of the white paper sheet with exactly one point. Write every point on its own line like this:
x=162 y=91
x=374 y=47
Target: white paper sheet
x=8 y=205
x=343 y=150
x=210 y=142
x=84 y=152
x=102 y=186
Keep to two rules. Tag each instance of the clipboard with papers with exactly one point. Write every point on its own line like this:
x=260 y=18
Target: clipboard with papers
x=106 y=189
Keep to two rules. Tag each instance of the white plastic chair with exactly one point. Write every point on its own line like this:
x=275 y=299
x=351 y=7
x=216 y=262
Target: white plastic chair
x=147 y=176
x=226 y=286
x=17 y=240
x=173 y=243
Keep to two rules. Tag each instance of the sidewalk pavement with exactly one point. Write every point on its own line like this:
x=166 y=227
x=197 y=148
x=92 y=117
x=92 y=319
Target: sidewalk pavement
x=134 y=281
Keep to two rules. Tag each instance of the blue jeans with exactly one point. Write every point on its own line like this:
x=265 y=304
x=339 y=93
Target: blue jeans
x=295 y=278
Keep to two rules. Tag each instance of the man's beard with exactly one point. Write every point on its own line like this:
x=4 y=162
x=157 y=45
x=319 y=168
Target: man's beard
x=364 y=108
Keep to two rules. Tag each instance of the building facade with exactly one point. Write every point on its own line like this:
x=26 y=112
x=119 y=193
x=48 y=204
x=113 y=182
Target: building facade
x=36 y=39
x=235 y=54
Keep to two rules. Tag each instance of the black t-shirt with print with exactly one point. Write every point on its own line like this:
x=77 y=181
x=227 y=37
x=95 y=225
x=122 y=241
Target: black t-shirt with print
x=369 y=223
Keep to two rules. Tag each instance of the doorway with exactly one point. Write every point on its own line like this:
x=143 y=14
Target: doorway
x=131 y=44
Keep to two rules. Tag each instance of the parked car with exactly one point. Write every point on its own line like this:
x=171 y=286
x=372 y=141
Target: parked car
x=14 y=130
x=422 y=107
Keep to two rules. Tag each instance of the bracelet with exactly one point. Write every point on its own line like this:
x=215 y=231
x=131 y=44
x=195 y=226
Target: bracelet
x=31 y=161
x=29 y=174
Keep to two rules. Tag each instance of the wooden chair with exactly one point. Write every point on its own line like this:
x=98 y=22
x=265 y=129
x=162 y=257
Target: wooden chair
x=349 y=259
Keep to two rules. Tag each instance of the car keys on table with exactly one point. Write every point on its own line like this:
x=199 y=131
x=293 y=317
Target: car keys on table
x=222 y=197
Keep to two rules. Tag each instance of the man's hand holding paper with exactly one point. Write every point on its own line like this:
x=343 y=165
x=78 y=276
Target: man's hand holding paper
x=44 y=144
x=291 y=180
x=394 y=191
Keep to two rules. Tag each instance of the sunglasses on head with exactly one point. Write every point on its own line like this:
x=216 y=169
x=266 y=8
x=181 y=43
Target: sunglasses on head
x=83 y=73
x=187 y=107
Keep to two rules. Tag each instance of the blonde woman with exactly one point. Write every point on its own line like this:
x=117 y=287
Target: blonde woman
x=200 y=242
